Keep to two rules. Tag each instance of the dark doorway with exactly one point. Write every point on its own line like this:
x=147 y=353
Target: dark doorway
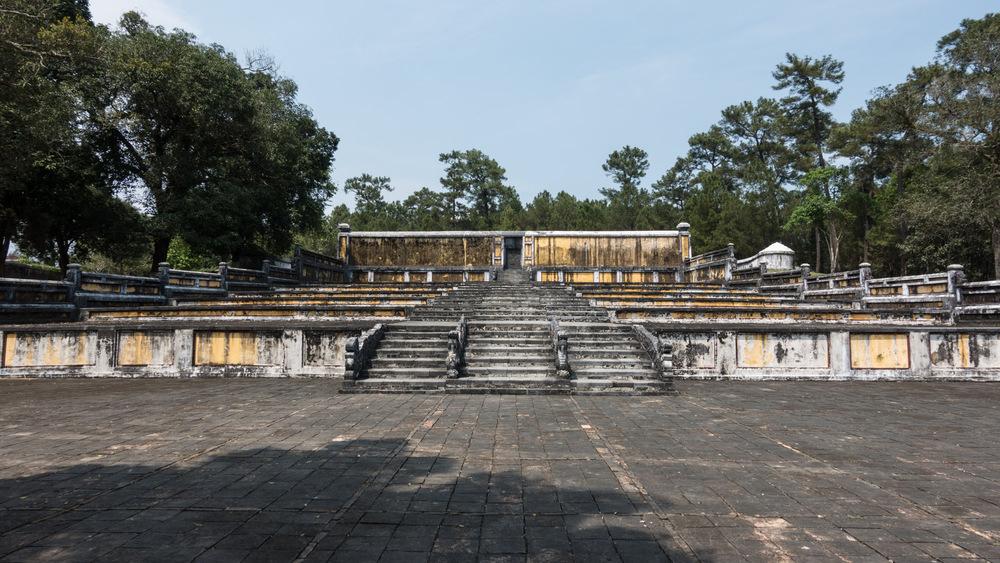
x=512 y=253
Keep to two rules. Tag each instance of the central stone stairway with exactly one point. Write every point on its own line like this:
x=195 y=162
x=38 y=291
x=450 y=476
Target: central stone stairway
x=510 y=346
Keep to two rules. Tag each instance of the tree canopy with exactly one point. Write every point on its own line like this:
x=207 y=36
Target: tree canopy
x=204 y=149
x=126 y=141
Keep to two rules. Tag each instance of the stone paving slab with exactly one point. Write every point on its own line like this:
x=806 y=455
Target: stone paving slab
x=286 y=470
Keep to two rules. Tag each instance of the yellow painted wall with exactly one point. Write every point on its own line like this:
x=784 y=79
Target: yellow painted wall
x=145 y=348
x=755 y=350
x=880 y=351
x=52 y=349
x=965 y=351
x=606 y=251
x=219 y=348
x=421 y=251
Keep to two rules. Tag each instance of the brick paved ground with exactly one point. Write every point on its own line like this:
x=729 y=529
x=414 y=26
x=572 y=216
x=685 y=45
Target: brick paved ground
x=271 y=470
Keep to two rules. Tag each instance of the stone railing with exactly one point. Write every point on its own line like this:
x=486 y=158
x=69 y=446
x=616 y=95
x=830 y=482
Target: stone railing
x=188 y=283
x=24 y=300
x=241 y=279
x=851 y=285
x=748 y=276
x=457 y=339
x=314 y=267
x=660 y=352
x=939 y=290
x=976 y=293
x=80 y=289
x=716 y=266
x=560 y=346
x=360 y=351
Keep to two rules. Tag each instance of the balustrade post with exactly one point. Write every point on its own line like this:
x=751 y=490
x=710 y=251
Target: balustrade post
x=456 y=349
x=562 y=355
x=350 y=374
x=865 y=275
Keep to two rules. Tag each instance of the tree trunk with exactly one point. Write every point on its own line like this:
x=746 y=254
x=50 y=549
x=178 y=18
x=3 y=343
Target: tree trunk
x=996 y=250
x=818 y=267
x=864 y=247
x=63 y=249
x=902 y=220
x=833 y=243
x=160 y=248
x=6 y=233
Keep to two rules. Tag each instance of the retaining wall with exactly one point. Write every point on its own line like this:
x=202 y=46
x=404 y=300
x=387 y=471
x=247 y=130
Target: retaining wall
x=835 y=353
x=174 y=352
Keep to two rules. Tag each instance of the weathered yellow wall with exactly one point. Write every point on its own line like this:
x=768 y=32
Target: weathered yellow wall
x=606 y=251
x=880 y=351
x=145 y=348
x=324 y=349
x=219 y=348
x=782 y=350
x=421 y=251
x=965 y=351
x=48 y=349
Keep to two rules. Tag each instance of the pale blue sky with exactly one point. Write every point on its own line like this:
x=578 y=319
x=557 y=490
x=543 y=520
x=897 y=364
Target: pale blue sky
x=548 y=88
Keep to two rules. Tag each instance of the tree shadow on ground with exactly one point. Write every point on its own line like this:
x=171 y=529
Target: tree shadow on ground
x=353 y=499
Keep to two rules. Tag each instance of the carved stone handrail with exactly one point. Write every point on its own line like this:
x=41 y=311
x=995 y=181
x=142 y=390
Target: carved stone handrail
x=661 y=352
x=560 y=345
x=457 y=339
x=360 y=351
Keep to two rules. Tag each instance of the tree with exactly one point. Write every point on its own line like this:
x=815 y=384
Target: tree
x=807 y=122
x=538 y=213
x=427 y=210
x=963 y=119
x=369 y=207
x=477 y=179
x=817 y=208
x=38 y=127
x=628 y=204
x=221 y=156
x=886 y=150
x=739 y=170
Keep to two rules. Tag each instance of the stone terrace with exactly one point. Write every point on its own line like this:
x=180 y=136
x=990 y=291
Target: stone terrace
x=272 y=470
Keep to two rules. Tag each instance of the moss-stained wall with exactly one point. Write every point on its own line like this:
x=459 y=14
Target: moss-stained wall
x=612 y=250
x=458 y=250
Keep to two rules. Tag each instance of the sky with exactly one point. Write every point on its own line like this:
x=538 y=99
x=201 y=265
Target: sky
x=548 y=89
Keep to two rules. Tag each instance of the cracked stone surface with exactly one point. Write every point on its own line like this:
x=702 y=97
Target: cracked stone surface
x=285 y=470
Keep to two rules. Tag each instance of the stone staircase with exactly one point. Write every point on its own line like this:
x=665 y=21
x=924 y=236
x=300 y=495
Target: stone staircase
x=510 y=345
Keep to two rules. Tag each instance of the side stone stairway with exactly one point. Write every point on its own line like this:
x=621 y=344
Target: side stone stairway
x=509 y=345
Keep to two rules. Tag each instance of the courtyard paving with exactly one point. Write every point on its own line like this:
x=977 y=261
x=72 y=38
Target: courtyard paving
x=285 y=470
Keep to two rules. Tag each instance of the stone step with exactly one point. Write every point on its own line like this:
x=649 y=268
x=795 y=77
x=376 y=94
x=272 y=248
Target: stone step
x=516 y=385
x=578 y=363
x=428 y=354
x=633 y=354
x=393 y=385
x=633 y=387
x=403 y=341
x=405 y=372
x=522 y=360
x=510 y=371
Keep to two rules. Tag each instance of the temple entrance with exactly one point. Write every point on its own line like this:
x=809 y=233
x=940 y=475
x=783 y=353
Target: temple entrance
x=512 y=253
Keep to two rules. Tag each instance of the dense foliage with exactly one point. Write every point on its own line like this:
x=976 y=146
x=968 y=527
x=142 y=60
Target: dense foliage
x=135 y=140
x=910 y=184
x=127 y=139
